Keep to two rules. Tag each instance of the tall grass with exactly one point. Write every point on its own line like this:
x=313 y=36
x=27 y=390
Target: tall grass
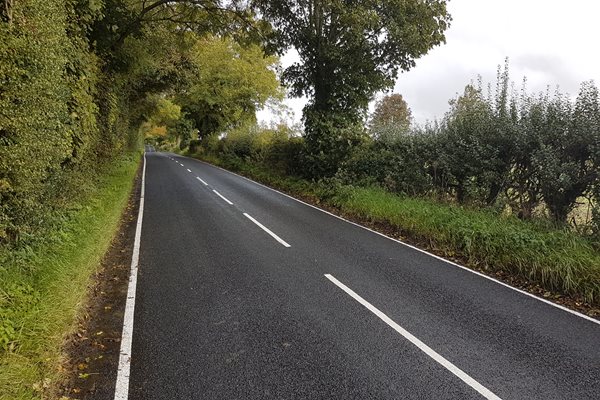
x=557 y=260
x=43 y=285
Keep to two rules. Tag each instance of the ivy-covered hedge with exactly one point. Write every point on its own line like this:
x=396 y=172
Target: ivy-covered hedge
x=52 y=94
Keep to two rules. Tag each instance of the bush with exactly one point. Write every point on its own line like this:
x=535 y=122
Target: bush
x=194 y=145
x=278 y=147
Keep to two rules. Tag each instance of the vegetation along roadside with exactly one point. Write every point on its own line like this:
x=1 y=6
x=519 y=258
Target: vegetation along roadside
x=45 y=283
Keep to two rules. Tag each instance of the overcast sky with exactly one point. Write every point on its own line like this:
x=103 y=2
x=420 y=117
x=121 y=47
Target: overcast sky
x=552 y=42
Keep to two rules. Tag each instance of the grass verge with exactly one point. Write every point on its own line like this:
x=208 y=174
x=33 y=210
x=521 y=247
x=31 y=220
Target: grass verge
x=556 y=260
x=42 y=286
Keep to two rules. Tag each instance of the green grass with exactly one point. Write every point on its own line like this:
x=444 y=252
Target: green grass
x=43 y=285
x=558 y=260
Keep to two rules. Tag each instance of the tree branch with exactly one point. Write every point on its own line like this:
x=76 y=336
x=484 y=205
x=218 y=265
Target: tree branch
x=8 y=10
x=153 y=9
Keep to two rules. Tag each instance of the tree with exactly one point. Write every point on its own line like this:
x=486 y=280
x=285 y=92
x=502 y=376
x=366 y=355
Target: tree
x=349 y=50
x=162 y=118
x=565 y=160
x=523 y=191
x=392 y=109
x=465 y=126
x=390 y=118
x=166 y=113
x=128 y=18
x=479 y=140
x=225 y=84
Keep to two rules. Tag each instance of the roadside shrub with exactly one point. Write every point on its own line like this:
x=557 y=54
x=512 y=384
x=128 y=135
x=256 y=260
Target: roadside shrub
x=194 y=145
x=399 y=165
x=287 y=155
x=34 y=112
x=211 y=144
x=278 y=147
x=238 y=143
x=330 y=140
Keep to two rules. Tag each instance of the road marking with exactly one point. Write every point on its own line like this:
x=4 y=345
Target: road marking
x=122 y=384
x=264 y=228
x=189 y=170
x=223 y=197
x=563 y=308
x=200 y=179
x=413 y=339
x=182 y=165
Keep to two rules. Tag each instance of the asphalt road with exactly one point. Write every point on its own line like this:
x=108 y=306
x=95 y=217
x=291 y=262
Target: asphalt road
x=318 y=308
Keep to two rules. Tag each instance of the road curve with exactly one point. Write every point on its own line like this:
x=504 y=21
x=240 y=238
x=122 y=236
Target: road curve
x=244 y=293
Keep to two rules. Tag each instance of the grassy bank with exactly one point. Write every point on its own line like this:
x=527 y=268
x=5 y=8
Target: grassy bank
x=558 y=260
x=42 y=285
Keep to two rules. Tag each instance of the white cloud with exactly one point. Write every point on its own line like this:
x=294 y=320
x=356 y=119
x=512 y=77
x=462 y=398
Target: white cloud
x=550 y=42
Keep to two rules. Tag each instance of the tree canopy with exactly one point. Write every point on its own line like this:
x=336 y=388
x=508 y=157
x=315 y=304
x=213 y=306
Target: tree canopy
x=391 y=117
x=226 y=84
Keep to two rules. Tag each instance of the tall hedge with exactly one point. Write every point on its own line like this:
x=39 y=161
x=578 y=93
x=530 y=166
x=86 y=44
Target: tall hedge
x=59 y=113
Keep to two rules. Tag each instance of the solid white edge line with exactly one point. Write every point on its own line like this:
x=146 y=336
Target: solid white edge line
x=223 y=197
x=264 y=228
x=122 y=383
x=200 y=179
x=576 y=313
x=414 y=340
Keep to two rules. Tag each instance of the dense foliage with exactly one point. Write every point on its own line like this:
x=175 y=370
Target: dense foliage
x=47 y=116
x=530 y=153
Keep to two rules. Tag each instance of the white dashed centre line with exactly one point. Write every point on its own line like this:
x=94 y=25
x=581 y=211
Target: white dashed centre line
x=422 y=346
x=200 y=179
x=264 y=228
x=189 y=170
x=223 y=197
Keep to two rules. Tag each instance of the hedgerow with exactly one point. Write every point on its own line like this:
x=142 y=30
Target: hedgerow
x=60 y=115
